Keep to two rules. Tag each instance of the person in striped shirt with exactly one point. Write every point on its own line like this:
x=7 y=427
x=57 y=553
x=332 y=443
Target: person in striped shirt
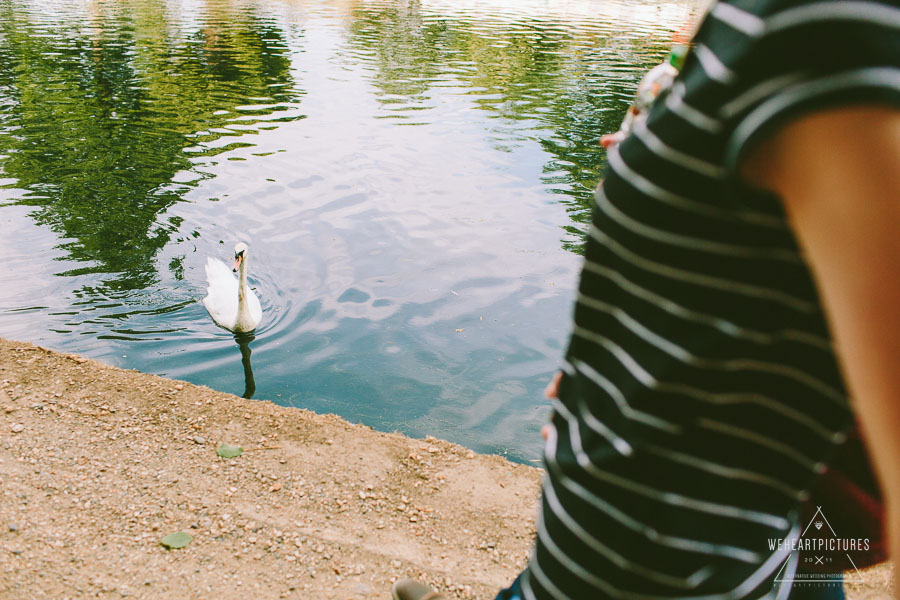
x=738 y=305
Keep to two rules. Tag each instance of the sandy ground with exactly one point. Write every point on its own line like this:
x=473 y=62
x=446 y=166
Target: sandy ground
x=98 y=464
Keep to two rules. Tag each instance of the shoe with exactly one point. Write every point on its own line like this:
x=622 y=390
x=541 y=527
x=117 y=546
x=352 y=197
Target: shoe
x=410 y=589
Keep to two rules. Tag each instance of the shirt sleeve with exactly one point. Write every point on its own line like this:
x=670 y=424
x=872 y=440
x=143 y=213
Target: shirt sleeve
x=807 y=57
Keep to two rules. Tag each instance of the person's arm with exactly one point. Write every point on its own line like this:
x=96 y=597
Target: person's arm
x=838 y=174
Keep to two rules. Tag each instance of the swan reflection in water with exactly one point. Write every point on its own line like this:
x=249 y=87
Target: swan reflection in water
x=243 y=341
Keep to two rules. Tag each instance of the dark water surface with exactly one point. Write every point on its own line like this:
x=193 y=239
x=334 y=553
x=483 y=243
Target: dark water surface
x=413 y=179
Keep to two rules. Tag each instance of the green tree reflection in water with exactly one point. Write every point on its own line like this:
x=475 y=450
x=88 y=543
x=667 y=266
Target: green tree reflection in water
x=110 y=119
x=516 y=71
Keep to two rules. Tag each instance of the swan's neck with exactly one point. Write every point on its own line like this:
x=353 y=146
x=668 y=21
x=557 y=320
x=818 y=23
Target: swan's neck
x=242 y=280
x=243 y=315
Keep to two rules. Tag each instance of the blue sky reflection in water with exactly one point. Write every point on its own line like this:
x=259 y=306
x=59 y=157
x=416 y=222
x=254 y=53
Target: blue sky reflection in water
x=413 y=179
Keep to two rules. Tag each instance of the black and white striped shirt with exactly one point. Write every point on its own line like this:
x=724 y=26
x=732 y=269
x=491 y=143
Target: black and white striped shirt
x=702 y=395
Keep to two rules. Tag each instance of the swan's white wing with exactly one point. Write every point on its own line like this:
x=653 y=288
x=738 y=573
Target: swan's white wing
x=222 y=293
x=255 y=308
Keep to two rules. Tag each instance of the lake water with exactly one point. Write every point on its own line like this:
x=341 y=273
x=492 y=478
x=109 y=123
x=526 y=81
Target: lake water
x=413 y=179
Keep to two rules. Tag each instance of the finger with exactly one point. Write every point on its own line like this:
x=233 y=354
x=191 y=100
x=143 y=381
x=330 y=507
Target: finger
x=552 y=389
x=609 y=139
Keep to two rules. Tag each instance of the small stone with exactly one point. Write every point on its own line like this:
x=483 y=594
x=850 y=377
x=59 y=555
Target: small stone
x=17 y=428
x=179 y=387
x=199 y=439
x=13 y=527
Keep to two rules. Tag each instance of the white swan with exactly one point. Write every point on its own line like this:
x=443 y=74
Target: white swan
x=230 y=302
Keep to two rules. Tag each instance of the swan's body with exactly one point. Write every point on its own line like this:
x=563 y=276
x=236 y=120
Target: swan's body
x=230 y=302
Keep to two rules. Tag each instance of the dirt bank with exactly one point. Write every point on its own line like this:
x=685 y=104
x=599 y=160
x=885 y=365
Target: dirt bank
x=98 y=464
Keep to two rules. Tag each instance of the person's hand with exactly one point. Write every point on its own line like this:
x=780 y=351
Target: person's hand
x=609 y=139
x=551 y=391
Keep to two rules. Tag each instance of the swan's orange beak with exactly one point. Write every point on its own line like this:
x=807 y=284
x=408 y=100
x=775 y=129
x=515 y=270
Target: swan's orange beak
x=237 y=262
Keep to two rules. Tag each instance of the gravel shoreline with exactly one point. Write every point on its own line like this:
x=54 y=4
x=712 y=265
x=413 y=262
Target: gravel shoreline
x=98 y=464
